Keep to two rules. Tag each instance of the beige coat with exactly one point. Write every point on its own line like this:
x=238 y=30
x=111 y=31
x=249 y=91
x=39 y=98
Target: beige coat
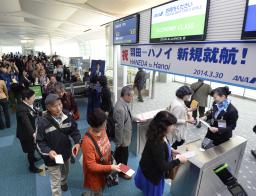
x=3 y=90
x=179 y=110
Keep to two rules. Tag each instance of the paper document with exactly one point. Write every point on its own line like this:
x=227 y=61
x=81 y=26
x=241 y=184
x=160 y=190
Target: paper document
x=126 y=170
x=59 y=159
x=188 y=154
x=204 y=123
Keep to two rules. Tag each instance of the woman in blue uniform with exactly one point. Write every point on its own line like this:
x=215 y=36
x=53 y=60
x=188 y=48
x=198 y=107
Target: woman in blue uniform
x=223 y=116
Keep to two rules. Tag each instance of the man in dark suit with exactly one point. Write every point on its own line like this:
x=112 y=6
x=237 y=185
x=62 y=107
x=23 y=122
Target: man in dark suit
x=139 y=82
x=26 y=115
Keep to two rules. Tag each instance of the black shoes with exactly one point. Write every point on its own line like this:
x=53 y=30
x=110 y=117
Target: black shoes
x=37 y=159
x=253 y=153
x=35 y=170
x=72 y=159
x=64 y=187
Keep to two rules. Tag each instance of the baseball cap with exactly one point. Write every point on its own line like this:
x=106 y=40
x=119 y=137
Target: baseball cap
x=51 y=98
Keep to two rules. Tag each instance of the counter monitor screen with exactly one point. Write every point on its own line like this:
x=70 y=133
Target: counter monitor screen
x=38 y=91
x=179 y=20
x=126 y=30
x=249 y=27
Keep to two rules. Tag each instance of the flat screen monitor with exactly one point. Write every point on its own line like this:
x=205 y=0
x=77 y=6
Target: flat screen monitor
x=179 y=20
x=249 y=27
x=126 y=30
x=38 y=91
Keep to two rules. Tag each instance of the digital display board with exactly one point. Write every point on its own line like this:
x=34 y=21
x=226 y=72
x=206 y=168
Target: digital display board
x=126 y=30
x=249 y=27
x=179 y=20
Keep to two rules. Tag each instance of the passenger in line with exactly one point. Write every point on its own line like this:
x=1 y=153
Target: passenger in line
x=53 y=131
x=223 y=116
x=24 y=80
x=139 y=82
x=26 y=115
x=4 y=104
x=58 y=71
x=183 y=115
x=123 y=127
x=201 y=91
x=158 y=157
x=94 y=170
x=69 y=104
x=106 y=101
x=68 y=100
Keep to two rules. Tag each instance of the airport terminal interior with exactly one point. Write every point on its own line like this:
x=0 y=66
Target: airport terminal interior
x=113 y=67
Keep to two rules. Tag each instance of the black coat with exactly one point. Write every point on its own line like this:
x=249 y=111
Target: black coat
x=106 y=102
x=140 y=79
x=24 y=82
x=154 y=161
x=25 y=126
x=231 y=117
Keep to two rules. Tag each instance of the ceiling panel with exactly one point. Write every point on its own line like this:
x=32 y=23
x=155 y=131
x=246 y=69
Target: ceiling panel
x=50 y=10
x=73 y=1
x=123 y=7
x=86 y=17
x=11 y=19
x=7 y=6
x=62 y=19
x=43 y=23
x=72 y=27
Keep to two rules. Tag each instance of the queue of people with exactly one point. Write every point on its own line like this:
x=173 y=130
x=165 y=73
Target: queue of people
x=54 y=132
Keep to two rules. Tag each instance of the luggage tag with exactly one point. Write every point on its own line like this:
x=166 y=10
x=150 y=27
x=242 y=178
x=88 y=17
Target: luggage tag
x=222 y=123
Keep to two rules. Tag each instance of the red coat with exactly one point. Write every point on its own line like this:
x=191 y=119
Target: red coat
x=94 y=171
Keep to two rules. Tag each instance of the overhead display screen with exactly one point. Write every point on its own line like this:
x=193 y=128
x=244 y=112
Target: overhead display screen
x=179 y=20
x=126 y=30
x=249 y=28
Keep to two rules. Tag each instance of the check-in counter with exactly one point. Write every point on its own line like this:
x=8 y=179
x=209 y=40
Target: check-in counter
x=196 y=178
x=139 y=131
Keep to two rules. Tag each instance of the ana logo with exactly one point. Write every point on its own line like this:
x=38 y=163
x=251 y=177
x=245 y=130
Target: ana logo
x=125 y=55
x=245 y=79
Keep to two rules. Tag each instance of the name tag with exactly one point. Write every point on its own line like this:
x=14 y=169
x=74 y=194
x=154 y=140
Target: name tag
x=222 y=124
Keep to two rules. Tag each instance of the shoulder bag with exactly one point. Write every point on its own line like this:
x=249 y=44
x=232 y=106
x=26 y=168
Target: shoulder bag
x=112 y=178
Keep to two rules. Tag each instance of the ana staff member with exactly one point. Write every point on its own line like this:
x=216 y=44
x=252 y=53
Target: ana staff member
x=223 y=116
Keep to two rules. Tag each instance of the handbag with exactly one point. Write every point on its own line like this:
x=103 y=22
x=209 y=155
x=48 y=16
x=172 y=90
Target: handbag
x=112 y=178
x=188 y=104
